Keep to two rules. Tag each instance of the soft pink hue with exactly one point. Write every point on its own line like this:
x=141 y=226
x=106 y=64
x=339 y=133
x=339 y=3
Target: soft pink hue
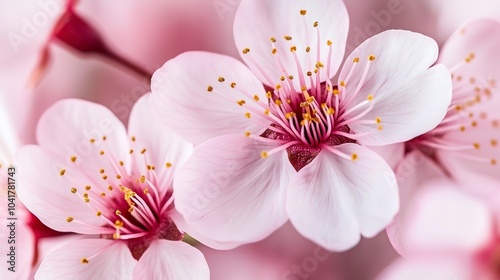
x=278 y=140
x=447 y=234
x=465 y=144
x=89 y=176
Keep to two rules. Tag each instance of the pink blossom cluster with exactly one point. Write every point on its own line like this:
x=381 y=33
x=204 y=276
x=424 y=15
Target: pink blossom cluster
x=250 y=140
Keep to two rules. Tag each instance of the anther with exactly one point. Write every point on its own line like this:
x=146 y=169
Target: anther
x=241 y=102
x=84 y=261
x=62 y=172
x=221 y=79
x=143 y=151
x=354 y=157
x=355 y=60
x=73 y=158
x=371 y=57
x=247 y=133
x=247 y=115
x=210 y=88
x=303 y=12
x=233 y=84
x=168 y=165
x=88 y=188
x=288 y=38
x=92 y=140
x=264 y=154
x=329 y=43
x=308 y=49
x=69 y=219
x=246 y=50
x=73 y=190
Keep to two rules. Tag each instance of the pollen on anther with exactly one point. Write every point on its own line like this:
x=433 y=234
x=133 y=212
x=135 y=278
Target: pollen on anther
x=246 y=50
x=62 y=172
x=69 y=219
x=329 y=43
x=371 y=57
x=493 y=161
x=355 y=60
x=369 y=97
x=264 y=154
x=256 y=98
x=293 y=48
x=101 y=152
x=84 y=261
x=354 y=157
x=241 y=102
x=476 y=146
x=168 y=165
x=342 y=83
x=303 y=12
x=247 y=133
x=118 y=213
x=72 y=158
x=210 y=88
x=248 y=115
x=92 y=140
x=494 y=142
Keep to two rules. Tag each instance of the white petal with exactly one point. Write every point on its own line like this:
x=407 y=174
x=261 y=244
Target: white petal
x=333 y=200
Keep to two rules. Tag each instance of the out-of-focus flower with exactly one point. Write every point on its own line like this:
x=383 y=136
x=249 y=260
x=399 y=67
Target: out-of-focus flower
x=113 y=188
x=447 y=234
x=239 y=183
x=465 y=144
x=16 y=233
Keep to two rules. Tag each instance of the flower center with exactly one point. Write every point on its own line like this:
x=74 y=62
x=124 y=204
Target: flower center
x=305 y=113
x=133 y=205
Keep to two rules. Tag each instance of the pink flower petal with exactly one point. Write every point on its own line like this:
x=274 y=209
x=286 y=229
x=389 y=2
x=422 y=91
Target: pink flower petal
x=429 y=269
x=181 y=97
x=113 y=261
x=164 y=149
x=332 y=200
x=48 y=195
x=83 y=135
x=480 y=162
x=257 y=21
x=392 y=154
x=440 y=219
x=172 y=260
x=409 y=98
x=227 y=192
x=412 y=173
x=482 y=66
